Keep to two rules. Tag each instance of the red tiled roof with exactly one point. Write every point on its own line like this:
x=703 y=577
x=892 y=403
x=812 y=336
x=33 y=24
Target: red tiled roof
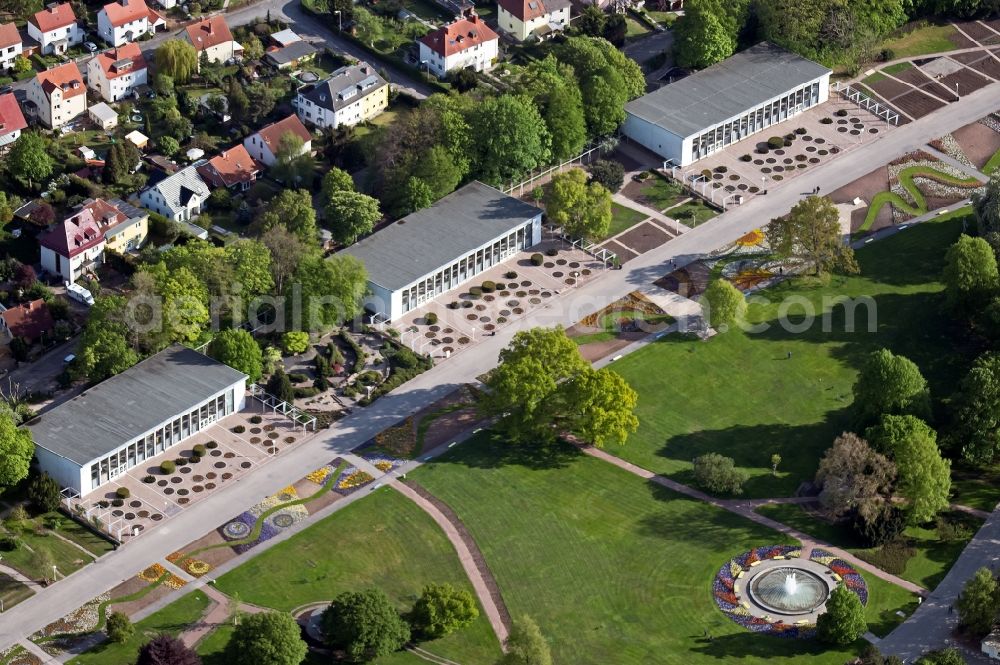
x=55 y=17
x=11 y=118
x=464 y=33
x=65 y=77
x=9 y=36
x=74 y=235
x=28 y=320
x=103 y=212
x=130 y=52
x=271 y=135
x=209 y=32
x=120 y=13
x=230 y=168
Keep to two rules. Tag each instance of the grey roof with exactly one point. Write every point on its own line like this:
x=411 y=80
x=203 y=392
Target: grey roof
x=292 y=52
x=178 y=189
x=344 y=87
x=436 y=236
x=725 y=89
x=116 y=411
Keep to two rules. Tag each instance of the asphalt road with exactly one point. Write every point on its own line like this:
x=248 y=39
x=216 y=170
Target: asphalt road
x=467 y=365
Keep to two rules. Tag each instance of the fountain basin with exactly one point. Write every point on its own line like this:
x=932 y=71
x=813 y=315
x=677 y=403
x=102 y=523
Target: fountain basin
x=788 y=590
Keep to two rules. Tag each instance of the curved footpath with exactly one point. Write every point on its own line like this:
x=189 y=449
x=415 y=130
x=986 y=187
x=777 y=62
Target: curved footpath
x=434 y=384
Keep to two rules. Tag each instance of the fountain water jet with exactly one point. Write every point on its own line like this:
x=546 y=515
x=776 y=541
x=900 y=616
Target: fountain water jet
x=791 y=584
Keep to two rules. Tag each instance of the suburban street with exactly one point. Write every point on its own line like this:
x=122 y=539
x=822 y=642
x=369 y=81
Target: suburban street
x=572 y=305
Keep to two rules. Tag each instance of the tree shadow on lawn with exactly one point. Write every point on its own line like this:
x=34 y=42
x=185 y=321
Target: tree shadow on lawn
x=751 y=446
x=491 y=449
x=736 y=646
x=913 y=256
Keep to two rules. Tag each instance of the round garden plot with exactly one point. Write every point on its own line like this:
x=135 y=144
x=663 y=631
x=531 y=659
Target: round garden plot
x=134 y=504
x=156 y=517
x=245 y=465
x=176 y=479
x=227 y=475
x=161 y=483
x=183 y=500
x=143 y=514
x=168 y=491
x=220 y=465
x=216 y=453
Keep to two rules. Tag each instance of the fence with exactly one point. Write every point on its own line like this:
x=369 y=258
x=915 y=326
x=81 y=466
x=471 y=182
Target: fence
x=867 y=103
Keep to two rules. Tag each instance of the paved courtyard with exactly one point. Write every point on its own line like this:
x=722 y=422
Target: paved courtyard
x=234 y=446
x=464 y=316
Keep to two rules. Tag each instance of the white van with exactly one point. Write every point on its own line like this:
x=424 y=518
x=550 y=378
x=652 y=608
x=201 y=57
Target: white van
x=80 y=294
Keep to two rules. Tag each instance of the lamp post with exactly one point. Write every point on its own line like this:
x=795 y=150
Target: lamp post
x=958 y=97
x=340 y=23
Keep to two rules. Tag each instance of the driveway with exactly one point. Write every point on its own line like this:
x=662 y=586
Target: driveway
x=650 y=46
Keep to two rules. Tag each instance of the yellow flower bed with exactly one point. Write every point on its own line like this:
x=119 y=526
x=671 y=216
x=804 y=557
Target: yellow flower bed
x=197 y=567
x=152 y=573
x=752 y=239
x=287 y=494
x=320 y=475
x=385 y=466
x=174 y=582
x=355 y=479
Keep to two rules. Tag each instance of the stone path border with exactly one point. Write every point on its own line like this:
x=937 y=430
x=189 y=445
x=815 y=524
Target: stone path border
x=469 y=555
x=218 y=613
x=745 y=509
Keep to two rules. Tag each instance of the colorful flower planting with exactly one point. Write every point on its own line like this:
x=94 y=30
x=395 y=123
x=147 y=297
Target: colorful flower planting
x=80 y=620
x=383 y=463
x=320 y=475
x=848 y=574
x=152 y=573
x=725 y=597
x=753 y=239
x=398 y=440
x=351 y=479
x=242 y=527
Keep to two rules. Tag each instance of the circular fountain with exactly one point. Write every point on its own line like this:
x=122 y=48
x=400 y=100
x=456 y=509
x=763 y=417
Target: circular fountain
x=788 y=590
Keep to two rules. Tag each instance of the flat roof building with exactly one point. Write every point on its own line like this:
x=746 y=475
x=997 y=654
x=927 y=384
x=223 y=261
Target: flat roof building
x=138 y=414
x=441 y=247
x=725 y=103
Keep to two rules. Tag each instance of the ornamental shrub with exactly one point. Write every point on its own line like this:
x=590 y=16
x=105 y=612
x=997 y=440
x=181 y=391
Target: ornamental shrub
x=123 y=493
x=826 y=121
x=256 y=420
x=239 y=429
x=148 y=479
x=746 y=158
x=212 y=445
x=800 y=131
x=510 y=275
x=167 y=467
x=199 y=450
x=775 y=142
x=489 y=287
x=537 y=259
x=431 y=318
x=194 y=459
x=181 y=461
x=118 y=503
x=552 y=251
x=841 y=113
x=308 y=391
x=454 y=304
x=9 y=544
x=475 y=291
x=721 y=169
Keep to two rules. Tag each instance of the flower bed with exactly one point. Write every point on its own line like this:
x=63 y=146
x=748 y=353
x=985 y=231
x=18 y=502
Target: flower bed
x=848 y=573
x=152 y=573
x=320 y=475
x=383 y=463
x=351 y=479
x=18 y=655
x=81 y=620
x=241 y=528
x=399 y=439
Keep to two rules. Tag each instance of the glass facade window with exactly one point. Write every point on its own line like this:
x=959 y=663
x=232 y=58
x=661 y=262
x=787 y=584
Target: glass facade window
x=755 y=120
x=467 y=267
x=158 y=441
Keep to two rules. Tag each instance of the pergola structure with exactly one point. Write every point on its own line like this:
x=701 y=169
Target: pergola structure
x=290 y=411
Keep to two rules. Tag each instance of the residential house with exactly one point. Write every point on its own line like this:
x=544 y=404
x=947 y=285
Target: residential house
x=178 y=197
x=29 y=321
x=103 y=116
x=990 y=645
x=291 y=56
x=351 y=95
x=464 y=43
x=212 y=39
x=122 y=22
x=57 y=96
x=116 y=73
x=263 y=144
x=11 y=120
x=532 y=19
x=125 y=227
x=233 y=169
x=11 y=45
x=284 y=37
x=138 y=139
x=72 y=247
x=55 y=28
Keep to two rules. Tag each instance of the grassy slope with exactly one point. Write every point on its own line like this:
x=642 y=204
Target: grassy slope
x=622 y=218
x=382 y=541
x=173 y=619
x=614 y=569
x=929 y=39
x=739 y=395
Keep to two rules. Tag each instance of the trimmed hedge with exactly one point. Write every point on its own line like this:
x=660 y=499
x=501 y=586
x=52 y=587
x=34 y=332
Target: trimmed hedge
x=123 y=493
x=239 y=429
x=431 y=318
x=212 y=445
x=256 y=420
x=181 y=461
x=775 y=142
x=552 y=251
x=359 y=354
x=199 y=450
x=510 y=275
x=537 y=259
x=488 y=287
x=148 y=480
x=167 y=467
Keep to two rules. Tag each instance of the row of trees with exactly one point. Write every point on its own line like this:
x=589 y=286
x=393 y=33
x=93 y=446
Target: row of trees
x=499 y=137
x=832 y=31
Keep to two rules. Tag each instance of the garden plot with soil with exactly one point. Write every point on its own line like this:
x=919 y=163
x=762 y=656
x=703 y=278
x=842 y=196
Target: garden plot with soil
x=979 y=141
x=866 y=188
x=433 y=426
x=981 y=61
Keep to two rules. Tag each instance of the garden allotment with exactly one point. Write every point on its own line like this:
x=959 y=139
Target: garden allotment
x=100 y=434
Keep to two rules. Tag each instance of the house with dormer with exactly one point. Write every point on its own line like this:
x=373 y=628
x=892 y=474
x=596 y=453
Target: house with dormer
x=532 y=19
x=55 y=28
x=12 y=121
x=213 y=40
x=233 y=169
x=351 y=95
x=11 y=45
x=179 y=197
x=263 y=144
x=122 y=22
x=73 y=247
x=116 y=73
x=57 y=96
x=467 y=42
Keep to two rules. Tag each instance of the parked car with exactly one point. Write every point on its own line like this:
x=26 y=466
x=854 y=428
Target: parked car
x=90 y=46
x=80 y=294
x=5 y=89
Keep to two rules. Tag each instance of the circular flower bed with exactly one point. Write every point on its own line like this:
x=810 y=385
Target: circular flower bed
x=283 y=521
x=733 y=606
x=236 y=530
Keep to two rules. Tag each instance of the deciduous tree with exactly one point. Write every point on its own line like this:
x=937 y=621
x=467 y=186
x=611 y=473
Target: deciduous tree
x=292 y=165
x=609 y=173
x=811 y=231
x=166 y=650
x=701 y=39
x=924 y=477
x=119 y=628
x=526 y=645
x=970 y=274
x=511 y=136
x=854 y=477
x=978 y=603
x=583 y=209
x=268 y=638
x=350 y=215
x=365 y=625
x=336 y=180
x=104 y=352
x=977 y=417
x=890 y=384
x=293 y=210
x=718 y=474
x=16 y=451
x=177 y=59
x=238 y=349
x=442 y=609
x=418 y=195
x=725 y=304
x=44 y=493
x=843 y=621
x=286 y=250
x=331 y=290
x=28 y=158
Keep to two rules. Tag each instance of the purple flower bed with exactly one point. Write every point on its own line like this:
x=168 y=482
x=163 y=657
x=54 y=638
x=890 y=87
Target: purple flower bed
x=374 y=459
x=267 y=531
x=848 y=573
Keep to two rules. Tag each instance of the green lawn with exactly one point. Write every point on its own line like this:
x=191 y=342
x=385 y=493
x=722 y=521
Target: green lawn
x=172 y=619
x=663 y=18
x=623 y=218
x=976 y=488
x=25 y=559
x=919 y=205
x=740 y=395
x=660 y=194
x=80 y=535
x=693 y=213
x=992 y=164
x=384 y=541
x=899 y=67
x=927 y=567
x=635 y=29
x=12 y=592
x=929 y=39
x=613 y=568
